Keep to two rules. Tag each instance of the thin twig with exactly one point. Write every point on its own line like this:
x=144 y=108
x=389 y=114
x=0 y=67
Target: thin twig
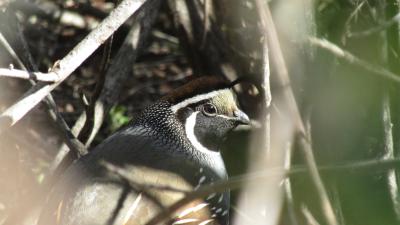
x=395 y=19
x=87 y=128
x=117 y=73
x=63 y=68
x=375 y=165
x=121 y=66
x=11 y=51
x=25 y=53
x=347 y=56
x=68 y=138
x=352 y=15
x=71 y=141
x=36 y=76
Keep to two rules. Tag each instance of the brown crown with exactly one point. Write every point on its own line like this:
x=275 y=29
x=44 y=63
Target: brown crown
x=195 y=87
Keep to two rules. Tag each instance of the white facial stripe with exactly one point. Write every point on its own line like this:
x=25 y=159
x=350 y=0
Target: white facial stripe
x=195 y=99
x=189 y=128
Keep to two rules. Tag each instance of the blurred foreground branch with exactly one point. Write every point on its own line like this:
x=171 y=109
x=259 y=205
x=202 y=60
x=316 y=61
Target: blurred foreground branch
x=238 y=181
x=266 y=73
x=308 y=216
x=266 y=146
x=305 y=143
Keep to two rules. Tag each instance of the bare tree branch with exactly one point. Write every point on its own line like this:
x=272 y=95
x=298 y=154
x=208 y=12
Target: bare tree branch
x=68 y=137
x=120 y=68
x=347 y=56
x=119 y=71
x=71 y=141
x=63 y=68
x=36 y=76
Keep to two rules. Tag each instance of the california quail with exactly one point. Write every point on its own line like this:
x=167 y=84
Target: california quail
x=173 y=143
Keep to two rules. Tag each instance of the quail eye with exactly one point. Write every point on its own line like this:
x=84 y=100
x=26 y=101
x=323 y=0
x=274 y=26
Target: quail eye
x=209 y=109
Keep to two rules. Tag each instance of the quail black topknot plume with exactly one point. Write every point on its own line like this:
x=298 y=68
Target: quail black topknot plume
x=172 y=143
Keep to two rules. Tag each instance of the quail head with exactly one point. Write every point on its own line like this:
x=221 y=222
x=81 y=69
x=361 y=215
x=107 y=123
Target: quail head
x=171 y=148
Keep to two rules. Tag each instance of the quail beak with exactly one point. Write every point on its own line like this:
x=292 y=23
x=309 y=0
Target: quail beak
x=241 y=117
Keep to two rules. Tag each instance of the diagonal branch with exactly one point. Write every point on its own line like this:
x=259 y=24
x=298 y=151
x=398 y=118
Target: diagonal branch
x=63 y=68
x=118 y=72
x=68 y=137
x=70 y=140
x=120 y=68
x=349 y=57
